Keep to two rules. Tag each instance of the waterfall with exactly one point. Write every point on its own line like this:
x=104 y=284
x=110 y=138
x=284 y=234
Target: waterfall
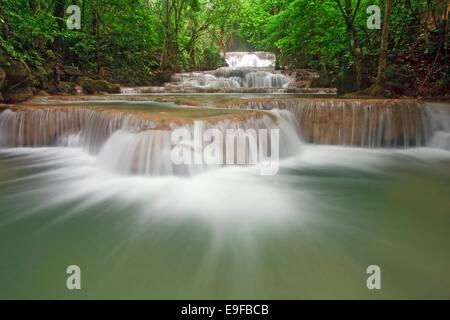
x=38 y=127
x=365 y=123
x=131 y=143
x=264 y=79
x=138 y=143
x=246 y=59
x=197 y=79
x=246 y=71
x=438 y=116
x=249 y=79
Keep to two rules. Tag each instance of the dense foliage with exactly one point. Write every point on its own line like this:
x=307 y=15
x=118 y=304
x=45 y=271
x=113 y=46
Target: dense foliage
x=316 y=34
x=128 y=38
x=130 y=41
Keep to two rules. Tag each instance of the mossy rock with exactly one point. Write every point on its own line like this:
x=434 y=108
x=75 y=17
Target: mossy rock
x=91 y=86
x=16 y=79
x=17 y=94
x=16 y=72
x=41 y=78
x=67 y=88
x=69 y=73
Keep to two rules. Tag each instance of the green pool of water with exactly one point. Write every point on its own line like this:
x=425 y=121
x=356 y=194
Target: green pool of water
x=309 y=232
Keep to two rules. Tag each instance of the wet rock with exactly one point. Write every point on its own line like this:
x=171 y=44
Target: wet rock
x=162 y=77
x=104 y=73
x=321 y=82
x=41 y=78
x=399 y=79
x=302 y=84
x=67 y=87
x=69 y=73
x=91 y=86
x=304 y=74
x=19 y=94
x=16 y=83
x=16 y=71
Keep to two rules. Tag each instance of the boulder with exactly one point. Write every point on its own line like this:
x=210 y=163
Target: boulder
x=16 y=71
x=18 y=94
x=162 y=77
x=91 y=86
x=69 y=73
x=16 y=82
x=41 y=78
x=67 y=87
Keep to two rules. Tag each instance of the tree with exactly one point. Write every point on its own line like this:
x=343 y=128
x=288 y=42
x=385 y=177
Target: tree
x=379 y=86
x=349 y=15
x=58 y=13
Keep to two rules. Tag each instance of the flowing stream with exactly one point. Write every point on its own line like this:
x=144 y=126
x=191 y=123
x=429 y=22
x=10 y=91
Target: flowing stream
x=251 y=71
x=90 y=182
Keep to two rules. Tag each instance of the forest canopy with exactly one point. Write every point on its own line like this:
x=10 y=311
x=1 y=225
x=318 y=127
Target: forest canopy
x=140 y=42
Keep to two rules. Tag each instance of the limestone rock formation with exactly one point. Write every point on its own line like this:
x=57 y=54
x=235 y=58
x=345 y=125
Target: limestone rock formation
x=91 y=86
x=15 y=79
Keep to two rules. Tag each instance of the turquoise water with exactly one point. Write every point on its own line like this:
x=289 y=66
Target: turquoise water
x=309 y=232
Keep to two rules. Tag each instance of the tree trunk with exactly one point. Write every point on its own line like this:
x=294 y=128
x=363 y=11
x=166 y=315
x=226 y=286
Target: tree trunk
x=379 y=87
x=96 y=32
x=354 y=42
x=58 y=13
x=355 y=47
x=357 y=57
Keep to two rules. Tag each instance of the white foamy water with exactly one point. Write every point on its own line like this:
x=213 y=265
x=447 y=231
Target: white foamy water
x=245 y=70
x=69 y=175
x=247 y=59
x=130 y=144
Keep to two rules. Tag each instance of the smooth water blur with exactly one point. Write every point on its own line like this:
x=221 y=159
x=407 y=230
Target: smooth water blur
x=308 y=232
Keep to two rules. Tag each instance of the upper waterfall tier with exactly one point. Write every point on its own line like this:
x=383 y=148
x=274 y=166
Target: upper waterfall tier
x=231 y=78
x=250 y=59
x=251 y=72
x=245 y=72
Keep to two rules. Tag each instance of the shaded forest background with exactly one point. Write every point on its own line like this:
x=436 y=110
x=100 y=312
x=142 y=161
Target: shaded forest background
x=142 y=42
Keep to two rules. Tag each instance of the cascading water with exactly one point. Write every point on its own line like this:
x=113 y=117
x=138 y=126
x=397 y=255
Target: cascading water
x=365 y=123
x=129 y=143
x=245 y=70
x=92 y=184
x=247 y=59
x=438 y=123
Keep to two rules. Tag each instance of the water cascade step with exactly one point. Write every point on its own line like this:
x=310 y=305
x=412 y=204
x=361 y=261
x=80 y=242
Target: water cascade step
x=247 y=72
x=365 y=123
x=140 y=143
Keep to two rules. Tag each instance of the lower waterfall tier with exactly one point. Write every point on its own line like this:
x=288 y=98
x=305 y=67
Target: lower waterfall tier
x=145 y=143
x=364 y=123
